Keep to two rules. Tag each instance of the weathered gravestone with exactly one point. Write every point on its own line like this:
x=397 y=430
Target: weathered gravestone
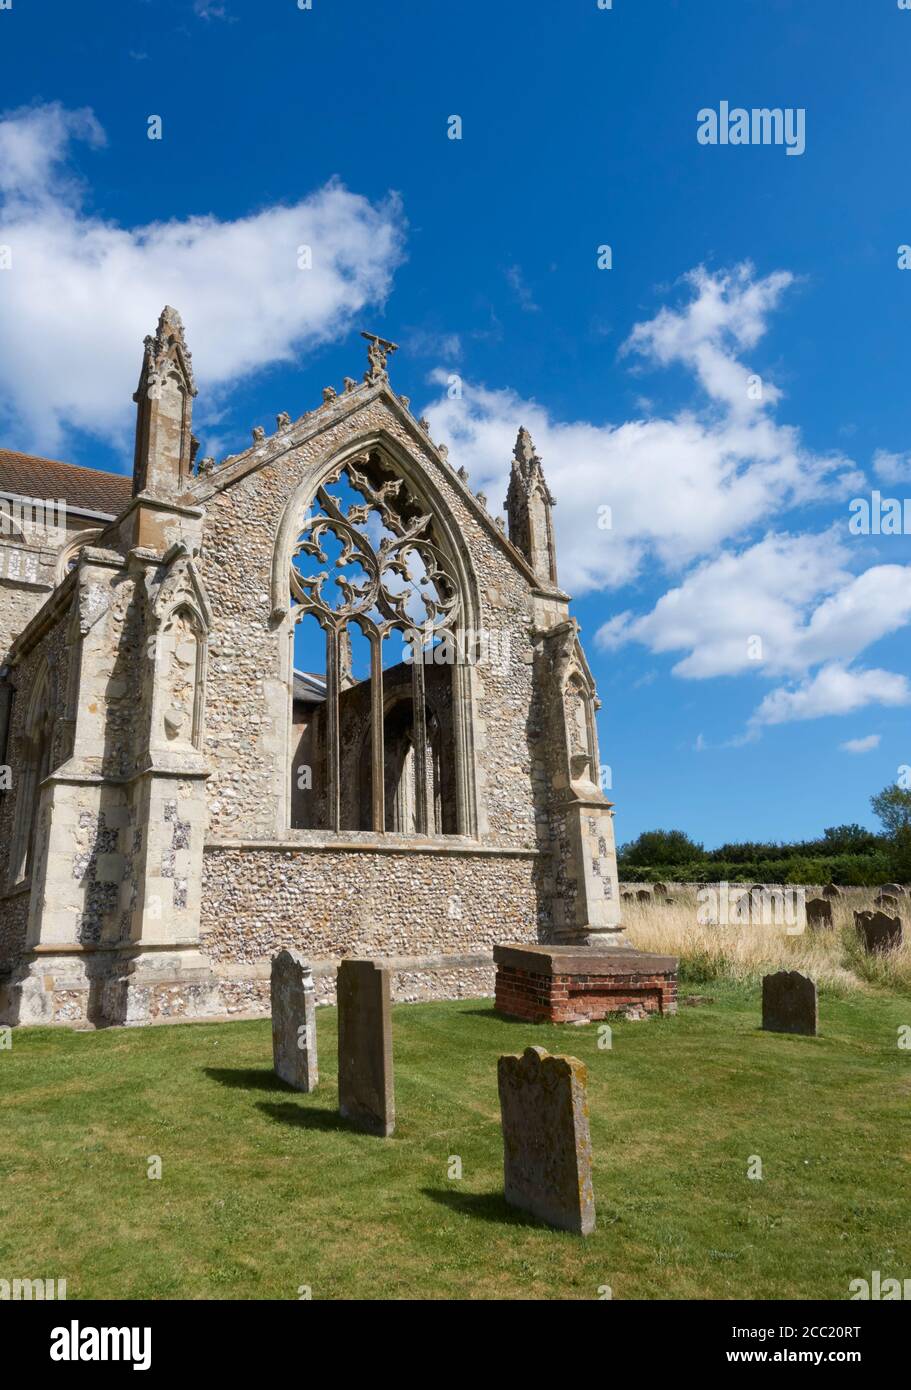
x=294 y=1021
x=884 y=900
x=547 y=1147
x=789 y=1003
x=643 y=895
x=878 y=931
x=660 y=890
x=894 y=890
x=830 y=891
x=365 y=1082
x=819 y=912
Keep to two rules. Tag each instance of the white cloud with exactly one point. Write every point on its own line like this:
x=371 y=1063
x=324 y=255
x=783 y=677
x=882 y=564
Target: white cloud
x=892 y=468
x=834 y=689
x=728 y=313
x=861 y=745
x=782 y=606
x=83 y=291
x=678 y=487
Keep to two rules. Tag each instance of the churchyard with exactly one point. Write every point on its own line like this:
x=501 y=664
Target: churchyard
x=728 y=1162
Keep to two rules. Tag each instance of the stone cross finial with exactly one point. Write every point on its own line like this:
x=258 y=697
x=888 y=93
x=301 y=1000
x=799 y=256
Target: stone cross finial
x=378 y=349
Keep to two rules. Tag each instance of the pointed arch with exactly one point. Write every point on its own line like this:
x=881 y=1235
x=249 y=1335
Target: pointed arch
x=445 y=542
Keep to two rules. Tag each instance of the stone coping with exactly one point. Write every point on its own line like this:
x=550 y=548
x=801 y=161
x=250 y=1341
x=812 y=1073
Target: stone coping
x=261 y=969
x=381 y=844
x=584 y=960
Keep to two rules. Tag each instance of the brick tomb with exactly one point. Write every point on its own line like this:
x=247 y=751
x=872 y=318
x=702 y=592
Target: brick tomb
x=563 y=984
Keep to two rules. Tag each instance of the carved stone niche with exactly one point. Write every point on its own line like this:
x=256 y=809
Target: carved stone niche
x=579 y=735
x=182 y=656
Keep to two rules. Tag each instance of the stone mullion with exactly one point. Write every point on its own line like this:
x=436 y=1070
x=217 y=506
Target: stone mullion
x=420 y=739
x=378 y=751
x=333 y=788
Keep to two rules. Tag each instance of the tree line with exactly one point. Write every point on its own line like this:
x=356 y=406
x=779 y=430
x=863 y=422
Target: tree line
x=849 y=855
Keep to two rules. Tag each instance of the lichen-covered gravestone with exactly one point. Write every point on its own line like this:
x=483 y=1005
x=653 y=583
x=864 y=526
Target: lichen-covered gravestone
x=294 y=1021
x=789 y=1003
x=819 y=912
x=878 y=931
x=366 y=1095
x=547 y=1148
x=830 y=891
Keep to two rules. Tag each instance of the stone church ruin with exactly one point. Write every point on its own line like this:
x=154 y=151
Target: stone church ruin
x=315 y=697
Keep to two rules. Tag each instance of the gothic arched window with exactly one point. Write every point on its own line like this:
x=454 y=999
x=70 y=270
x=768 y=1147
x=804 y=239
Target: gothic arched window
x=373 y=721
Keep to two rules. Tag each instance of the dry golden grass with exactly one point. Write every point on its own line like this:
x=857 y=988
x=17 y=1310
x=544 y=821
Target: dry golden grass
x=745 y=952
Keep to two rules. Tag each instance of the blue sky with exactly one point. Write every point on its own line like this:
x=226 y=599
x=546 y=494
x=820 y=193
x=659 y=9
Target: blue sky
x=328 y=127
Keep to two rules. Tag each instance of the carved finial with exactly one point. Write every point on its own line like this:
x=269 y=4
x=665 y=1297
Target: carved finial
x=329 y=394
x=282 y=420
x=350 y=385
x=378 y=349
x=424 y=424
x=259 y=434
x=206 y=465
x=525 y=450
x=443 y=451
x=528 y=505
x=406 y=401
x=482 y=499
x=463 y=474
x=165 y=350
x=499 y=523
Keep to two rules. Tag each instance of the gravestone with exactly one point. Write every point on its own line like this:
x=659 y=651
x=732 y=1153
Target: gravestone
x=547 y=1148
x=878 y=930
x=660 y=890
x=895 y=890
x=643 y=895
x=886 y=899
x=789 y=1003
x=294 y=1021
x=819 y=912
x=365 y=1081
x=830 y=891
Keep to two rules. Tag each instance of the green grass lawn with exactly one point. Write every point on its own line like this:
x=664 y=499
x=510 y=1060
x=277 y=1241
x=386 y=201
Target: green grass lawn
x=264 y=1190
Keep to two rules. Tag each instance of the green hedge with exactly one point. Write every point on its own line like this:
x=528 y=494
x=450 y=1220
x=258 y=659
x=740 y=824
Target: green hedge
x=849 y=870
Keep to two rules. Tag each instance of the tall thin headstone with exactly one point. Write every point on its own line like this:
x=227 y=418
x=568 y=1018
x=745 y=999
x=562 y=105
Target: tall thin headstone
x=547 y=1147
x=294 y=1021
x=789 y=1003
x=366 y=1095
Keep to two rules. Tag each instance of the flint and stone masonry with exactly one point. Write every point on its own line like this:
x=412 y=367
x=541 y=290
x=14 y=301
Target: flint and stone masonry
x=187 y=799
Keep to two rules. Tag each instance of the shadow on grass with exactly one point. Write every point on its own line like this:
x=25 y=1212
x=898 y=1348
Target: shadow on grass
x=485 y=1206
x=492 y=1016
x=288 y=1114
x=248 y=1078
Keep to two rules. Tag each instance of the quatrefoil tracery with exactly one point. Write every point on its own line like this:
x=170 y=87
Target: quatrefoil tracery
x=385 y=597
